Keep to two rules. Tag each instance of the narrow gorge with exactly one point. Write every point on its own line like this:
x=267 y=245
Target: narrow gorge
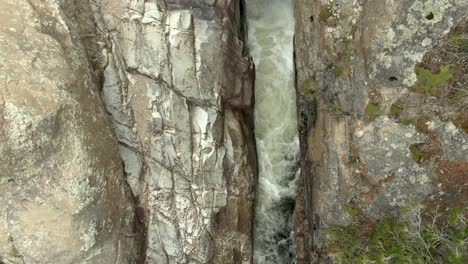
x=233 y=131
x=270 y=42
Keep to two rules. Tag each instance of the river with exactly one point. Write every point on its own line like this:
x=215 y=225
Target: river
x=270 y=42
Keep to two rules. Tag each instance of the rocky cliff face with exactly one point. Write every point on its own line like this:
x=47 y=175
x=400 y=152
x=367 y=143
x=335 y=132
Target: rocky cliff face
x=126 y=131
x=175 y=82
x=179 y=91
x=382 y=113
x=63 y=194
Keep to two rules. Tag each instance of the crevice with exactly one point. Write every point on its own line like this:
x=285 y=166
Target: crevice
x=88 y=14
x=140 y=214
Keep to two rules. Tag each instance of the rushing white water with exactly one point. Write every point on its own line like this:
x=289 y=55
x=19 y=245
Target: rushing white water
x=270 y=41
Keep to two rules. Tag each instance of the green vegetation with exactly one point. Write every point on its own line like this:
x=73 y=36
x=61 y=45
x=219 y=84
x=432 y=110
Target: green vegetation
x=461 y=120
x=417 y=153
x=456 y=97
x=395 y=110
x=421 y=124
x=416 y=237
x=430 y=83
x=432 y=80
x=14 y=253
x=309 y=89
x=343 y=60
x=326 y=12
x=458 y=40
x=351 y=210
x=337 y=107
x=353 y=160
x=442 y=74
x=406 y=122
x=372 y=110
x=341 y=69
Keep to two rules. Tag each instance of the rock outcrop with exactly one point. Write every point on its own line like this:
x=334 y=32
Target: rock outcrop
x=382 y=113
x=63 y=198
x=179 y=90
x=172 y=80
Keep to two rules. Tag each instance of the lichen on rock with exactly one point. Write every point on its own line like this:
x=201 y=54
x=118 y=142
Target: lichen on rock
x=395 y=69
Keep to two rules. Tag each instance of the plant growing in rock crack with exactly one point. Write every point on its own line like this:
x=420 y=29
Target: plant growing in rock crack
x=457 y=39
x=431 y=83
x=417 y=152
x=395 y=110
x=310 y=89
x=326 y=12
x=442 y=74
x=417 y=236
x=456 y=97
x=372 y=110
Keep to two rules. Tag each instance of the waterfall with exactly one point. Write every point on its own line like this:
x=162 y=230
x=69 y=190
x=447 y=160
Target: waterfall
x=270 y=42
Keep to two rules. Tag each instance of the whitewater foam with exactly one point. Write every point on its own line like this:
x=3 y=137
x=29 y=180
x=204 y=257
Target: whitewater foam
x=270 y=42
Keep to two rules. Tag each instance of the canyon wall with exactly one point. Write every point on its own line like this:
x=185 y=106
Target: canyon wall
x=179 y=90
x=126 y=132
x=126 y=127
x=382 y=114
x=63 y=194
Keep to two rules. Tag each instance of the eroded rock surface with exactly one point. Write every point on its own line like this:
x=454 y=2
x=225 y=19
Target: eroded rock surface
x=179 y=91
x=382 y=112
x=63 y=198
x=177 y=87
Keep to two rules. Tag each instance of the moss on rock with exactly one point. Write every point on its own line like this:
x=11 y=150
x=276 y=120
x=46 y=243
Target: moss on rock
x=417 y=152
x=430 y=83
x=342 y=69
x=372 y=110
x=395 y=110
x=310 y=89
x=326 y=12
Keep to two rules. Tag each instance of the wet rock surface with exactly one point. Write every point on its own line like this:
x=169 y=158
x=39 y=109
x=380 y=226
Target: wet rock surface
x=382 y=106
